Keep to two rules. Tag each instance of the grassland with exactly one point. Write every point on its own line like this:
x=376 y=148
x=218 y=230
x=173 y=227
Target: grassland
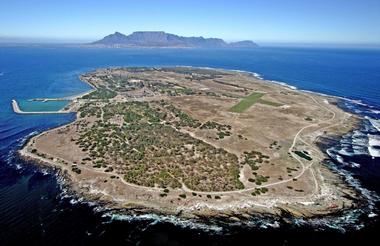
x=247 y=102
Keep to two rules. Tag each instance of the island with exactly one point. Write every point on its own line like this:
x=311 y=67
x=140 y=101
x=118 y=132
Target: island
x=198 y=143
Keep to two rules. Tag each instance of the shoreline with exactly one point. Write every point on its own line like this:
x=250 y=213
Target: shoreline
x=262 y=209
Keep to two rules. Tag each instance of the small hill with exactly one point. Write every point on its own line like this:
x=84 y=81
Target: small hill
x=243 y=44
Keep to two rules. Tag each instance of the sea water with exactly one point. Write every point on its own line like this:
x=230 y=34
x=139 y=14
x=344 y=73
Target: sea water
x=36 y=209
x=41 y=106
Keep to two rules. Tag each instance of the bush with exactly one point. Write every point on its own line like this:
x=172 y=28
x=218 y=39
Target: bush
x=109 y=169
x=76 y=170
x=263 y=190
x=303 y=155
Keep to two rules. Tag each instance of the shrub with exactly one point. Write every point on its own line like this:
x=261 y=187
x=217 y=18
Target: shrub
x=76 y=170
x=263 y=190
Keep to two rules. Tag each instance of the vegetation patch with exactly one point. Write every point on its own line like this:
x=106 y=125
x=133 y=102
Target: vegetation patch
x=303 y=155
x=101 y=93
x=247 y=102
x=275 y=146
x=75 y=169
x=222 y=130
x=254 y=159
x=146 y=149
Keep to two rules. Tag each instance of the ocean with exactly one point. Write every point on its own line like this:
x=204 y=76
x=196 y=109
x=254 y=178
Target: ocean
x=37 y=209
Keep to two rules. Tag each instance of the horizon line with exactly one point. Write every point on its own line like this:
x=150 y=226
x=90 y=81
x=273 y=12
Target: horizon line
x=63 y=41
x=8 y=39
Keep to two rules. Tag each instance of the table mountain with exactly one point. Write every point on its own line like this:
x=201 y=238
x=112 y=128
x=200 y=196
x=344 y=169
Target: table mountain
x=163 y=39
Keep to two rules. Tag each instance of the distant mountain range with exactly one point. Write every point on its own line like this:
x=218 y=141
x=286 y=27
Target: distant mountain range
x=163 y=39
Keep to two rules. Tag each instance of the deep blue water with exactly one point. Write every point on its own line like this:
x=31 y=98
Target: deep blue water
x=34 y=209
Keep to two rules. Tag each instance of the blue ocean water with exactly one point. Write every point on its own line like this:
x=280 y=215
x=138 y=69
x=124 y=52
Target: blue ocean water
x=38 y=106
x=33 y=207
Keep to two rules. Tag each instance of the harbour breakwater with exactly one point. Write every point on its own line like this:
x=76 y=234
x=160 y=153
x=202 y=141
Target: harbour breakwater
x=16 y=109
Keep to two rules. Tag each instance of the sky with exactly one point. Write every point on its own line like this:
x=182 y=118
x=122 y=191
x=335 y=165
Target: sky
x=271 y=21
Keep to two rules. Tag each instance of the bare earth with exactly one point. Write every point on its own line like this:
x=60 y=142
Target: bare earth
x=167 y=140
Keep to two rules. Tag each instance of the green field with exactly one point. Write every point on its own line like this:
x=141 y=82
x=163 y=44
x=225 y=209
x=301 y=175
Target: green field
x=247 y=102
x=255 y=97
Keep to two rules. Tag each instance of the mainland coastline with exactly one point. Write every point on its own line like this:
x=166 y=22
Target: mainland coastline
x=322 y=197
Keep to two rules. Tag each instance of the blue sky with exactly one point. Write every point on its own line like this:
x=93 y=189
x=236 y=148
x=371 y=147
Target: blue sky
x=290 y=21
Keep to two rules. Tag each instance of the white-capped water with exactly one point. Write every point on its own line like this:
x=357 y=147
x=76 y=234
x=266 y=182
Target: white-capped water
x=374 y=145
x=375 y=123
